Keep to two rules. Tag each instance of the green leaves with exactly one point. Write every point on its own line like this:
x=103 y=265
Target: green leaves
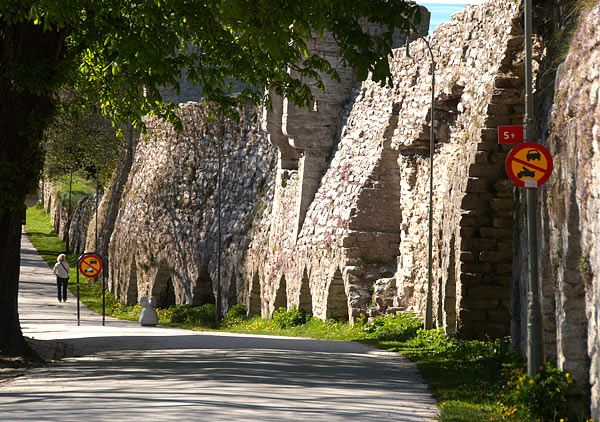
x=115 y=48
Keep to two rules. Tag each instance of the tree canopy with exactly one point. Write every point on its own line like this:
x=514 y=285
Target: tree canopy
x=114 y=48
x=85 y=144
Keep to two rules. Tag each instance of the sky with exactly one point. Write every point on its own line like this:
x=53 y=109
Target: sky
x=442 y=10
x=450 y=2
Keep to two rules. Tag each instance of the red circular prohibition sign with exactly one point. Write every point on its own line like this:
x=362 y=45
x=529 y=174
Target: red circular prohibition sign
x=529 y=162
x=90 y=265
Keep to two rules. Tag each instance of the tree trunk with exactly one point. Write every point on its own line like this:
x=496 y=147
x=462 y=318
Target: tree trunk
x=26 y=50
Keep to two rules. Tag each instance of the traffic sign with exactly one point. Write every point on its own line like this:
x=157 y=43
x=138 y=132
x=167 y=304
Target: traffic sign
x=529 y=165
x=90 y=265
x=510 y=134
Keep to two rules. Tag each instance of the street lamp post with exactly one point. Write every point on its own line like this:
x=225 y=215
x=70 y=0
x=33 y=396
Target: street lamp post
x=429 y=303
x=220 y=165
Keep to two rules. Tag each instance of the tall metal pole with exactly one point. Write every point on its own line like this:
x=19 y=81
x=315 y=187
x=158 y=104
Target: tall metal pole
x=219 y=153
x=535 y=335
x=78 y=310
x=429 y=304
x=69 y=213
x=103 y=293
x=96 y=217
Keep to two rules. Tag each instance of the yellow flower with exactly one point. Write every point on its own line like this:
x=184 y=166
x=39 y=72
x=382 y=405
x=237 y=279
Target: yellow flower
x=567 y=375
x=531 y=381
x=558 y=389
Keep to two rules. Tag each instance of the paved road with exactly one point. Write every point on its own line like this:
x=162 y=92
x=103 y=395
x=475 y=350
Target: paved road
x=124 y=372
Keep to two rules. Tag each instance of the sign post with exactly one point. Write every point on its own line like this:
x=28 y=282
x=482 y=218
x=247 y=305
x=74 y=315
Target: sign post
x=90 y=265
x=536 y=356
x=529 y=165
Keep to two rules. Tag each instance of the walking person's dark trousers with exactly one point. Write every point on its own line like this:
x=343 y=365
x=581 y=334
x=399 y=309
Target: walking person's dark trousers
x=61 y=285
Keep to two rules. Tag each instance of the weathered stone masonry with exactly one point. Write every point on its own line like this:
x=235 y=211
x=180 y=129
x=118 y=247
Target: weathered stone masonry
x=367 y=223
x=164 y=243
x=345 y=210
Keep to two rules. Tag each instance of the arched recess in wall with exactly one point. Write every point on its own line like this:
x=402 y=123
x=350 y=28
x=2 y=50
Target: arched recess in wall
x=202 y=292
x=254 y=297
x=281 y=295
x=449 y=290
x=337 y=301
x=131 y=296
x=163 y=287
x=305 y=300
x=232 y=292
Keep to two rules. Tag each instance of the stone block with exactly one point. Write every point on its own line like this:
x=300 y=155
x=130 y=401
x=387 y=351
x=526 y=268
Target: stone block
x=450 y=304
x=498 y=109
x=475 y=221
x=486 y=292
x=483 y=170
x=475 y=184
x=468 y=257
x=496 y=233
x=502 y=204
x=505 y=245
x=470 y=316
x=489 y=135
x=484 y=304
x=495 y=256
x=469 y=279
x=508 y=82
x=501 y=280
x=473 y=201
x=467 y=232
x=504 y=269
x=482 y=157
x=477 y=268
x=492 y=330
x=502 y=223
x=349 y=241
x=478 y=244
x=491 y=145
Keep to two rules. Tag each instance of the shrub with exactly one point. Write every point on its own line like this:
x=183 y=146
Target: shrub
x=236 y=314
x=398 y=327
x=286 y=319
x=541 y=398
x=203 y=316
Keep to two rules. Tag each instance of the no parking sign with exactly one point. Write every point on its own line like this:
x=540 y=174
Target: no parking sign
x=529 y=165
x=90 y=265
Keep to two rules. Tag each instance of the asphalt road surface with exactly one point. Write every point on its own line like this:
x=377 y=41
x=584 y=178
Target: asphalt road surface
x=125 y=372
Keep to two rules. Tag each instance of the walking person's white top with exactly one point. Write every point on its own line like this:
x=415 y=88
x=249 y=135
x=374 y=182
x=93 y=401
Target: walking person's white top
x=61 y=268
x=124 y=372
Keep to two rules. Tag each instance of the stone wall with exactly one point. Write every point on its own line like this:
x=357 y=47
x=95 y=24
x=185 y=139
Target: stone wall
x=366 y=224
x=343 y=207
x=164 y=241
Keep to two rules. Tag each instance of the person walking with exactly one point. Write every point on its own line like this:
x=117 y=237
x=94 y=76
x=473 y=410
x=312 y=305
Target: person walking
x=61 y=270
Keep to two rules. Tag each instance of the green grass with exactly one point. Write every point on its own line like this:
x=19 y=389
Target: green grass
x=465 y=377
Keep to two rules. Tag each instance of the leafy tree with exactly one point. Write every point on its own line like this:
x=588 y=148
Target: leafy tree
x=110 y=49
x=83 y=143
